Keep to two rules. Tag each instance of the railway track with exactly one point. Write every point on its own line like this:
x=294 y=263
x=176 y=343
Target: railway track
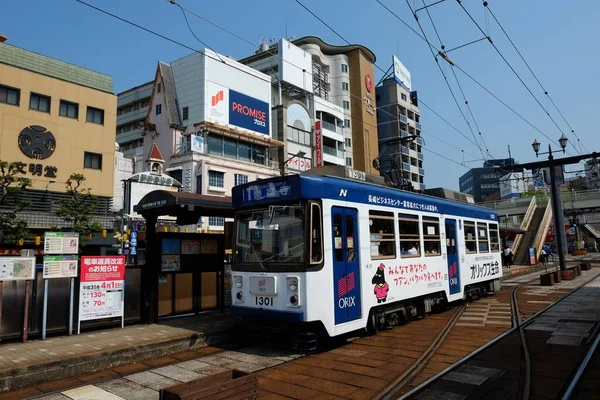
x=398 y=361
x=525 y=354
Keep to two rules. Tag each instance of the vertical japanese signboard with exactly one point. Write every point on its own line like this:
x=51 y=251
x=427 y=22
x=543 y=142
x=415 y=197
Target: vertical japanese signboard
x=101 y=291
x=318 y=145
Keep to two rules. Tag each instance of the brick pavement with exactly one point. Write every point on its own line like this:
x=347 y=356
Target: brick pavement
x=61 y=357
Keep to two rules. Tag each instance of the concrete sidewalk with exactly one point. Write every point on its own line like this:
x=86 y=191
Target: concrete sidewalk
x=552 y=266
x=36 y=361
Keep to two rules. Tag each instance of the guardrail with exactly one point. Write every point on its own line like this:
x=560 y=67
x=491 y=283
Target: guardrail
x=540 y=237
x=525 y=223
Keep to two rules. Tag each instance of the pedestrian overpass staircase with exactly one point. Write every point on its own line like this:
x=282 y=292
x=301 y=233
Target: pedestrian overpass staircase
x=591 y=231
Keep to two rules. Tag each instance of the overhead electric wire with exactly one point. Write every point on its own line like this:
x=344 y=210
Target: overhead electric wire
x=198 y=51
x=384 y=72
x=457 y=81
x=273 y=54
x=534 y=75
x=445 y=78
x=467 y=74
x=514 y=71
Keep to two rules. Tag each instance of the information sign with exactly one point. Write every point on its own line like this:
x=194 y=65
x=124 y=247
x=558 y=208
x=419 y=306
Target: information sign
x=61 y=243
x=17 y=268
x=101 y=292
x=60 y=267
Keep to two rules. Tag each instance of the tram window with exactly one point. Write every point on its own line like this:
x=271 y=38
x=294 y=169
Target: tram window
x=337 y=238
x=482 y=238
x=494 y=238
x=470 y=237
x=431 y=236
x=410 y=237
x=383 y=236
x=316 y=235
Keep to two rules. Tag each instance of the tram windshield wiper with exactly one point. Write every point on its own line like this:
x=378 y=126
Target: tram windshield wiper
x=258 y=257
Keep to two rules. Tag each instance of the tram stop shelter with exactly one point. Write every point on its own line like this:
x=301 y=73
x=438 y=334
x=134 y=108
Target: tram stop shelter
x=184 y=272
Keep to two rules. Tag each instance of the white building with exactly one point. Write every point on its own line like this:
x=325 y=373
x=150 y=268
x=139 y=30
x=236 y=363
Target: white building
x=398 y=116
x=322 y=100
x=515 y=183
x=123 y=170
x=210 y=117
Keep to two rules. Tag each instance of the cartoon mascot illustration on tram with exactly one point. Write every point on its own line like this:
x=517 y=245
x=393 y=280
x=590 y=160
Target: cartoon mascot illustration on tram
x=381 y=288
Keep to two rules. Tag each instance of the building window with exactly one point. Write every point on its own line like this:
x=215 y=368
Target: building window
x=346 y=123
x=159 y=87
x=158 y=109
x=403 y=96
x=345 y=68
x=9 y=95
x=348 y=142
x=346 y=105
x=240 y=179
x=345 y=86
x=216 y=179
x=494 y=238
x=348 y=161
x=68 y=109
x=95 y=115
x=298 y=136
x=39 y=102
x=185 y=113
x=383 y=235
x=216 y=221
x=92 y=160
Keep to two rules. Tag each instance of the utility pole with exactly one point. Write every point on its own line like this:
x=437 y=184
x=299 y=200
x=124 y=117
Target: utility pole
x=557 y=205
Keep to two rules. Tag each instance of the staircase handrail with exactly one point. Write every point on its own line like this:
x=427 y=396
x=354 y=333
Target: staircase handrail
x=540 y=237
x=526 y=222
x=592 y=230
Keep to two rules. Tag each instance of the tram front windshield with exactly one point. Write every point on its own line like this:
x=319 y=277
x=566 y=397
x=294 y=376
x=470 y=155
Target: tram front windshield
x=271 y=235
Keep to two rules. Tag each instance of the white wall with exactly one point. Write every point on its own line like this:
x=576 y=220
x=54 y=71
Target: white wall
x=123 y=170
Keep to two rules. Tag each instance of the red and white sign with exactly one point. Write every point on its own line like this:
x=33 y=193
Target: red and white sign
x=368 y=83
x=101 y=292
x=318 y=145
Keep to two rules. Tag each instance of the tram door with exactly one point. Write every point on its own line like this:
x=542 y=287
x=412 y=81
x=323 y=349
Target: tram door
x=452 y=256
x=346 y=264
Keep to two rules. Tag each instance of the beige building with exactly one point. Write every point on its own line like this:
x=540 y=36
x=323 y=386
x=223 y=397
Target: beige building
x=56 y=119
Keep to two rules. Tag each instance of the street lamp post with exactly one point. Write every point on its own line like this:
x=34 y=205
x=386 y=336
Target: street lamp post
x=557 y=206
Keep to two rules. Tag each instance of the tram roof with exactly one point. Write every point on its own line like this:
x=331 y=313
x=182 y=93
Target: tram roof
x=296 y=187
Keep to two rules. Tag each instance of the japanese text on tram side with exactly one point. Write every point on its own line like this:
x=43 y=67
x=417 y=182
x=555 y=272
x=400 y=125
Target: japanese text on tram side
x=413 y=273
x=485 y=269
x=387 y=201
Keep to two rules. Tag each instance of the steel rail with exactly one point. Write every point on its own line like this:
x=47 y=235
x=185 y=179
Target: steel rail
x=517 y=324
x=397 y=384
x=491 y=343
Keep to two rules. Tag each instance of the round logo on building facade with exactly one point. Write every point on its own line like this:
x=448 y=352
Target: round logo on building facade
x=36 y=142
x=368 y=83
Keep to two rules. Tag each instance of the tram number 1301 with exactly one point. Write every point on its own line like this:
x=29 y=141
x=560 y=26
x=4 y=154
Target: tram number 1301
x=264 y=301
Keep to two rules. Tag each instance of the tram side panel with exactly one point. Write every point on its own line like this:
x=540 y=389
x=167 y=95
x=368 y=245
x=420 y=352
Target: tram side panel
x=480 y=257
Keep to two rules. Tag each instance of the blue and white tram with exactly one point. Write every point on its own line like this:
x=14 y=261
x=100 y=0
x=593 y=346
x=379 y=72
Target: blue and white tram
x=348 y=255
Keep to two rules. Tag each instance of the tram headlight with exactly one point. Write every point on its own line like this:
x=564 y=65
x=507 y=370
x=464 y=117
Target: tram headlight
x=293 y=284
x=239 y=282
x=239 y=297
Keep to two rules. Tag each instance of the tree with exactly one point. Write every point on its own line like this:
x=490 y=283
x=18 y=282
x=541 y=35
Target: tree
x=78 y=207
x=12 y=228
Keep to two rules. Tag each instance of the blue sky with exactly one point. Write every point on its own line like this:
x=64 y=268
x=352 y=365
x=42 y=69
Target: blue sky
x=557 y=39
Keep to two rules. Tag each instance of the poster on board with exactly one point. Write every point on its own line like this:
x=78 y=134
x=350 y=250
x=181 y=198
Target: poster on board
x=101 y=292
x=17 y=268
x=60 y=267
x=61 y=243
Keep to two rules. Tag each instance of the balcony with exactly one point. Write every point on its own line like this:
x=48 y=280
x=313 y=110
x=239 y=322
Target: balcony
x=403 y=133
x=421 y=172
x=405 y=150
x=405 y=166
x=420 y=156
x=418 y=125
x=403 y=118
x=420 y=141
x=332 y=151
x=332 y=131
